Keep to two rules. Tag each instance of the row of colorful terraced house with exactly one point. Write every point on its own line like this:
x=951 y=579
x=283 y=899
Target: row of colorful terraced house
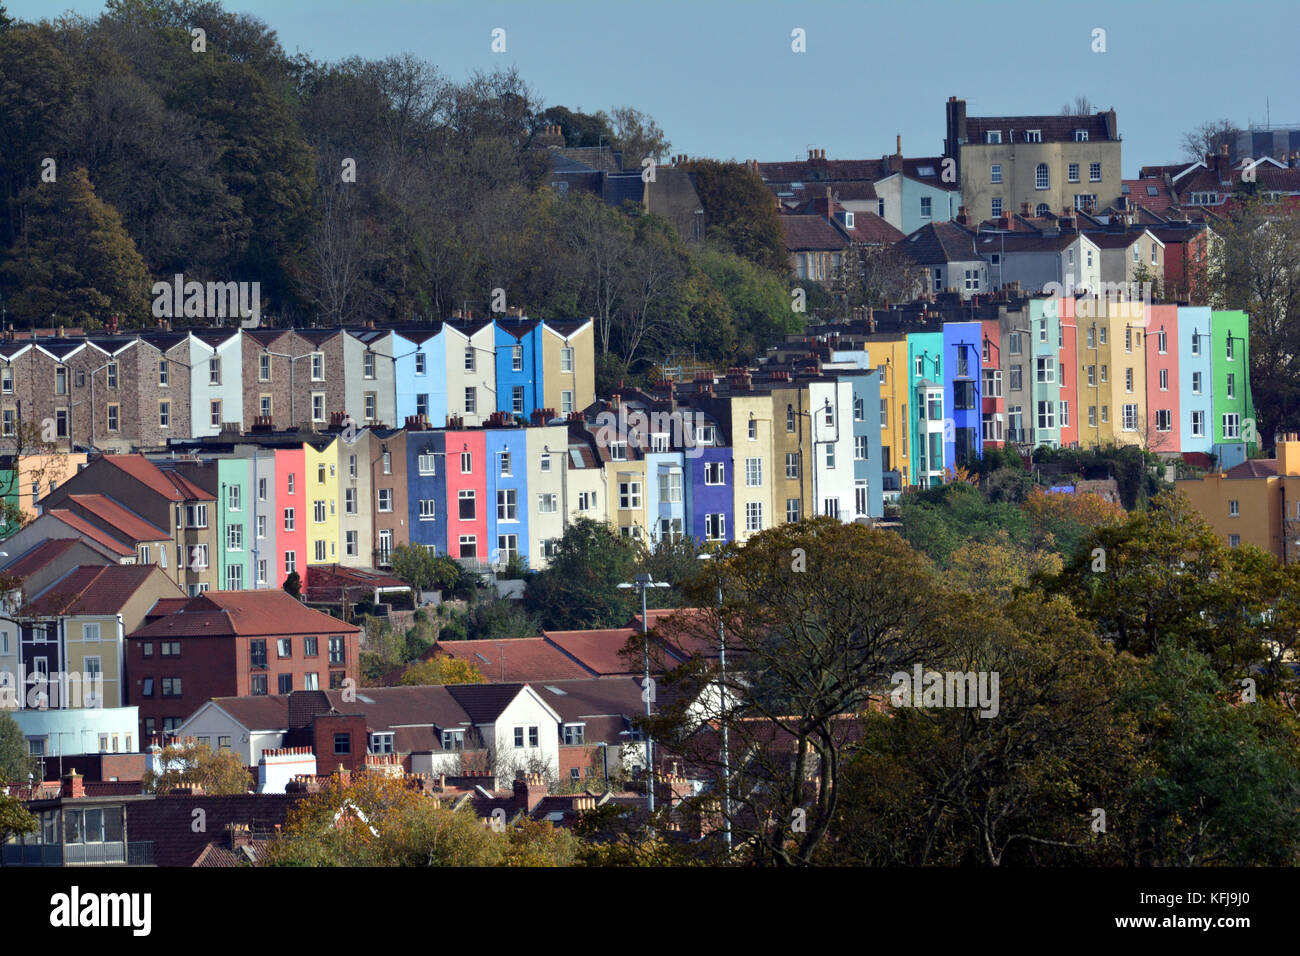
x=118 y=392
x=957 y=376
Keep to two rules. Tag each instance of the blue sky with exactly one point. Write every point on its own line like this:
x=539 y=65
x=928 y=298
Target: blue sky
x=721 y=79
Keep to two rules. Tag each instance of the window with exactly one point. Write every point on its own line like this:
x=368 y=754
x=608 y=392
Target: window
x=1231 y=426
x=342 y=744
x=261 y=571
x=234 y=577
x=1234 y=541
x=214 y=370
x=466 y=501
x=288 y=519
x=264 y=367
x=1128 y=380
x=993 y=136
x=1196 y=383
x=973 y=279
x=290 y=562
x=198 y=557
x=1046 y=371
x=385 y=499
x=469 y=546
x=1041 y=178
x=1198 y=424
x=419 y=363
x=171 y=687
x=517 y=399
x=289 y=483
x=753 y=430
x=715 y=473
x=469 y=358
x=453 y=740
x=284 y=647
x=1092 y=416
x=10 y=422
x=368 y=364
x=234 y=537
x=860 y=447
x=507 y=547
x=507 y=505
x=1103 y=374
x=566 y=359
x=517 y=358
x=214 y=410
x=546 y=461
x=1013 y=343
x=114 y=417
x=1017 y=378
x=504 y=461
x=1232 y=385
x=995 y=173
x=7 y=380
x=791 y=510
x=753 y=516
x=715 y=527
x=1015 y=423
x=1105 y=413
x=1164 y=420
x=1046 y=414
x=318 y=511
x=997 y=211
x=337 y=651
x=586 y=501
x=991 y=427
x=170 y=648
x=830 y=455
x=792 y=464
x=575 y=734
x=318 y=406
x=1129 y=418
x=371 y=406
x=317 y=366
x=884 y=410
x=992 y=378
x=754 y=472
x=1085 y=202
x=1072 y=174
x=548 y=504
x=629 y=495
x=925 y=207
x=1094 y=172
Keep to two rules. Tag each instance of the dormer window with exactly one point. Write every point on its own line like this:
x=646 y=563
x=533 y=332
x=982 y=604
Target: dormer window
x=848 y=220
x=1033 y=136
x=1081 y=136
x=993 y=136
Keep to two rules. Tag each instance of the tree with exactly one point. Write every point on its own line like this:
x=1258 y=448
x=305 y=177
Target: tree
x=293 y=586
x=1207 y=139
x=740 y=215
x=14 y=818
x=422 y=569
x=74 y=259
x=15 y=759
x=579 y=588
x=638 y=136
x=192 y=764
x=824 y=612
x=443 y=669
x=1082 y=106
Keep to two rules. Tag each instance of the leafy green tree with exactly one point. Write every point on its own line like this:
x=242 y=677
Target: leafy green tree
x=489 y=618
x=15 y=760
x=74 y=259
x=579 y=588
x=754 y=304
x=740 y=214
x=1223 y=778
x=14 y=818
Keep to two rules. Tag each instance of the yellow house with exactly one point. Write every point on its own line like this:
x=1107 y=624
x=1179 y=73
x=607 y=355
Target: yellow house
x=568 y=366
x=1257 y=502
x=321 y=461
x=754 y=477
x=35 y=477
x=1112 y=372
x=791 y=453
x=626 y=481
x=92 y=609
x=889 y=356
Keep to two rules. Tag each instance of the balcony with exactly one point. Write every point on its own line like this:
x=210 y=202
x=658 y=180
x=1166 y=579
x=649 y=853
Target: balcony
x=79 y=854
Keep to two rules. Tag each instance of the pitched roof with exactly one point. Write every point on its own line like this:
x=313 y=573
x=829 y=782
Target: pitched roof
x=1254 y=468
x=1054 y=129
x=129 y=525
x=938 y=242
x=483 y=703
x=597 y=650
x=1148 y=192
x=243 y=613
x=812 y=233
x=101 y=589
x=165 y=821
x=170 y=485
x=270 y=712
x=33 y=559
x=520 y=660
x=77 y=523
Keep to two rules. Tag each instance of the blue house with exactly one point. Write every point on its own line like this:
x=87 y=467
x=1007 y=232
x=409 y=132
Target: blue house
x=507 y=493
x=962 y=434
x=666 y=493
x=519 y=365
x=420 y=374
x=426 y=482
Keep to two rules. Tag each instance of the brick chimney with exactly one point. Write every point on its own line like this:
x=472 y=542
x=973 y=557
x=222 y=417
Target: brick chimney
x=240 y=835
x=530 y=788
x=738 y=378
x=962 y=217
x=541 y=416
x=73 y=785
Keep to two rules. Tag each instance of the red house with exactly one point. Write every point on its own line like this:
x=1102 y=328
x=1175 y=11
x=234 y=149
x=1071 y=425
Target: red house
x=1163 y=434
x=467 y=502
x=232 y=644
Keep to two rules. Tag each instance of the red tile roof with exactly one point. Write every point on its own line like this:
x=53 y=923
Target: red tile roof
x=814 y=233
x=77 y=523
x=33 y=559
x=147 y=473
x=93 y=590
x=521 y=660
x=244 y=614
x=598 y=651
x=1254 y=468
x=130 y=525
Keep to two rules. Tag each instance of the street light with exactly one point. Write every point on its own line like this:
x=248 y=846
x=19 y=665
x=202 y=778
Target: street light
x=641 y=582
x=726 y=753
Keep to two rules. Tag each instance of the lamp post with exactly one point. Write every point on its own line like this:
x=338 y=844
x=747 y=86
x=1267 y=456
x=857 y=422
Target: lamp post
x=641 y=582
x=726 y=751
